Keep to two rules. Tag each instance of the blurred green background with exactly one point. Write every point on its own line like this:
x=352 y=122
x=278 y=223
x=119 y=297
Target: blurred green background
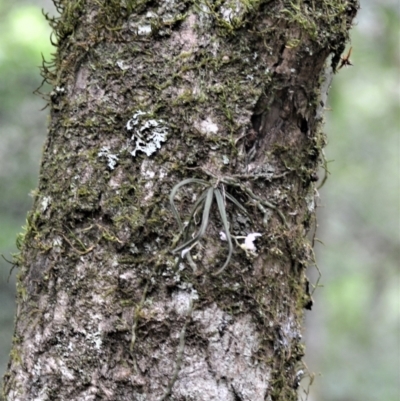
x=353 y=333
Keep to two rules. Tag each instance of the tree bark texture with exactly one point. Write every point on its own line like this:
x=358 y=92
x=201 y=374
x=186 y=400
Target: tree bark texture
x=227 y=95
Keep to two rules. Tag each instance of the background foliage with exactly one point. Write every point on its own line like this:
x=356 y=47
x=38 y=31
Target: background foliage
x=352 y=335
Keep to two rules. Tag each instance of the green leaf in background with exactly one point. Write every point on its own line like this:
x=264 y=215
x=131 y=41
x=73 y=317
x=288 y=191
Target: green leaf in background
x=24 y=36
x=352 y=335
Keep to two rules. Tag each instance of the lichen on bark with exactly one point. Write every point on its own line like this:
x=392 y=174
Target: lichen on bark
x=236 y=88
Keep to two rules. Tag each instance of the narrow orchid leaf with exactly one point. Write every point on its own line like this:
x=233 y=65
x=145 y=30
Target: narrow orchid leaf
x=198 y=203
x=236 y=203
x=204 y=222
x=222 y=212
x=173 y=193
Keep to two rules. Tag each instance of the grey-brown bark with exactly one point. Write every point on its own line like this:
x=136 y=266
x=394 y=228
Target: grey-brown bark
x=147 y=94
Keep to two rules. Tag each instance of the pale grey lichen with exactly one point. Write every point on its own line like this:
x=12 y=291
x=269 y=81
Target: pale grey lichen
x=232 y=9
x=122 y=66
x=227 y=14
x=144 y=30
x=57 y=242
x=112 y=159
x=148 y=133
x=208 y=126
x=133 y=249
x=45 y=203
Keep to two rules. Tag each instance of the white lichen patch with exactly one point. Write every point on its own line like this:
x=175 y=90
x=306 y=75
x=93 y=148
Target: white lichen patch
x=207 y=126
x=204 y=16
x=148 y=133
x=144 y=30
x=182 y=299
x=290 y=331
x=146 y=170
x=226 y=14
x=230 y=10
x=45 y=203
x=111 y=158
x=95 y=340
x=121 y=64
x=133 y=249
x=57 y=242
x=148 y=173
x=225 y=159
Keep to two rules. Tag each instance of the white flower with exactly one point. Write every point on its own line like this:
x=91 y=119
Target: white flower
x=222 y=236
x=249 y=242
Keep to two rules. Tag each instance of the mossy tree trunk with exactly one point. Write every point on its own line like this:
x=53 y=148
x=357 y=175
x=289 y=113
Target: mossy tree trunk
x=148 y=94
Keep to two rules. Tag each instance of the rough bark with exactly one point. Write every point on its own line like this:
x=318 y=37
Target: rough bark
x=147 y=94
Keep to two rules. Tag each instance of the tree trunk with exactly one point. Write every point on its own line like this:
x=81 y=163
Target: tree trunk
x=178 y=131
